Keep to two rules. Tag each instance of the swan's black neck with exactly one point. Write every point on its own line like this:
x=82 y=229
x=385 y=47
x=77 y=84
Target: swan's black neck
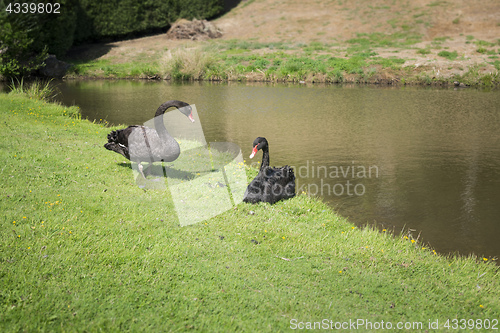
x=265 y=158
x=165 y=106
x=158 y=120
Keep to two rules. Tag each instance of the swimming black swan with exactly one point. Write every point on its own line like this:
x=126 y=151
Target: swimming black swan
x=143 y=144
x=271 y=184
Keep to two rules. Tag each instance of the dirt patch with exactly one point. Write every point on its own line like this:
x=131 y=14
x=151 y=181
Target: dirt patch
x=330 y=21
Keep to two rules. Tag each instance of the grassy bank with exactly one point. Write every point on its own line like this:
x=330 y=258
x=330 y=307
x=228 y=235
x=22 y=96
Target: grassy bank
x=370 y=58
x=82 y=248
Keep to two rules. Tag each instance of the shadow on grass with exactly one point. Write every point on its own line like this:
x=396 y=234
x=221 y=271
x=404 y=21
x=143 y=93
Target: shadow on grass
x=157 y=170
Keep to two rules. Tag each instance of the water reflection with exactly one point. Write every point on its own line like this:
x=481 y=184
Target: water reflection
x=437 y=152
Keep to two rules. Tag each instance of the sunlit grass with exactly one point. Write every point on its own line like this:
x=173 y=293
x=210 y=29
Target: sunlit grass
x=448 y=55
x=37 y=89
x=184 y=63
x=83 y=248
x=355 y=60
x=402 y=39
x=108 y=69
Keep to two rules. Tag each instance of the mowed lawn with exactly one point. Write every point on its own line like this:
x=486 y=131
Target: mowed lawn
x=83 y=248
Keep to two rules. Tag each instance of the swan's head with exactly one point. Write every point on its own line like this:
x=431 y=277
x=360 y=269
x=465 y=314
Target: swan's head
x=186 y=110
x=258 y=144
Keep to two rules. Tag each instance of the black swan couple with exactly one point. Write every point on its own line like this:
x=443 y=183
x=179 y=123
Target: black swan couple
x=143 y=144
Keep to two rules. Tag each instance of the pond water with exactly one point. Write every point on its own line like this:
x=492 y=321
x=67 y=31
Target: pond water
x=426 y=160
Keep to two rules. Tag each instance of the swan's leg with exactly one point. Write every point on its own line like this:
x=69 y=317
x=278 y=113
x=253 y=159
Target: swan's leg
x=163 y=170
x=140 y=167
x=149 y=168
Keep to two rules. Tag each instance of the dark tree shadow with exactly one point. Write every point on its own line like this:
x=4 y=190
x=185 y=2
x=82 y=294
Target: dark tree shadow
x=230 y=4
x=87 y=52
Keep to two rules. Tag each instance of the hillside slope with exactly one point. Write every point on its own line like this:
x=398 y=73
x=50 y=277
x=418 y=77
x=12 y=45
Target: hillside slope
x=433 y=40
x=338 y=20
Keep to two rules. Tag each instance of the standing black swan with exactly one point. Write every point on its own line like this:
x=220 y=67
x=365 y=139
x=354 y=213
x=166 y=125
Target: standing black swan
x=143 y=144
x=271 y=184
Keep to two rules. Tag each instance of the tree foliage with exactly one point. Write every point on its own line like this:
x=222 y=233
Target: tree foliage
x=19 y=54
x=112 y=18
x=26 y=38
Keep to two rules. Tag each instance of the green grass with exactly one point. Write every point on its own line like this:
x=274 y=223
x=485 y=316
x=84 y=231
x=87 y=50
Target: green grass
x=437 y=3
x=474 y=76
x=241 y=60
x=106 y=68
x=301 y=62
x=82 y=248
x=273 y=66
x=423 y=51
x=350 y=61
x=37 y=89
x=237 y=44
x=448 y=55
x=186 y=64
x=376 y=39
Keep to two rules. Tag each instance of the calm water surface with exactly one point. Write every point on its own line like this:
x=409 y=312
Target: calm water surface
x=421 y=159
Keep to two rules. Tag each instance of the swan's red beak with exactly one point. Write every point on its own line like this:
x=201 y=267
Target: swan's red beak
x=191 y=117
x=254 y=151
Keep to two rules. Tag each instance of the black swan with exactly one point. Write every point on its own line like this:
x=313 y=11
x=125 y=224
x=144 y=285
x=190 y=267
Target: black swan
x=271 y=184
x=143 y=144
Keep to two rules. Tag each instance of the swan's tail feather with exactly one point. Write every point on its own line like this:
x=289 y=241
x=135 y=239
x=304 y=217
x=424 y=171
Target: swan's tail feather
x=118 y=141
x=112 y=137
x=121 y=136
x=117 y=148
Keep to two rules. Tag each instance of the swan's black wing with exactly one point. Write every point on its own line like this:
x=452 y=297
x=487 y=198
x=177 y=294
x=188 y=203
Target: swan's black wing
x=288 y=181
x=118 y=141
x=255 y=189
x=271 y=185
x=280 y=184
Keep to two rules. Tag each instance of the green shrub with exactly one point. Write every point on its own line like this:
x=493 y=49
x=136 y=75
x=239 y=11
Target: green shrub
x=56 y=31
x=25 y=39
x=111 y=18
x=19 y=55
